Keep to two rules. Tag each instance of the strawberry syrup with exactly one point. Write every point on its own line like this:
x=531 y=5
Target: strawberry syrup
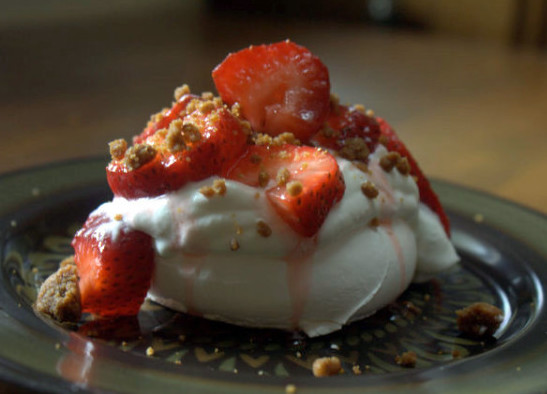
x=382 y=183
x=299 y=270
x=388 y=227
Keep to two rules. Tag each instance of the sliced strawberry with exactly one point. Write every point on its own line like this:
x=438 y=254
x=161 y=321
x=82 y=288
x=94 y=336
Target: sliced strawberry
x=115 y=266
x=345 y=124
x=281 y=87
x=164 y=119
x=427 y=195
x=213 y=138
x=302 y=183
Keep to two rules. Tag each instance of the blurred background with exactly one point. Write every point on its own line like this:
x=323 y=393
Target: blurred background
x=463 y=82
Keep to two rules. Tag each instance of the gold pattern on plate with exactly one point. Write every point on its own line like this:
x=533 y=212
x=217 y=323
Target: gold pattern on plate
x=254 y=362
x=204 y=357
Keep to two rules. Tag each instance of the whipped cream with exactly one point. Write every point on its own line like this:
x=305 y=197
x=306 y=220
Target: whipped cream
x=364 y=256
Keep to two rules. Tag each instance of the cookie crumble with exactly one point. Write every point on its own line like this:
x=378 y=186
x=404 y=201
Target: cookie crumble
x=326 y=366
x=479 y=319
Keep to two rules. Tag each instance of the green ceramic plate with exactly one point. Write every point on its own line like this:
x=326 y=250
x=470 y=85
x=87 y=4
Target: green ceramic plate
x=504 y=262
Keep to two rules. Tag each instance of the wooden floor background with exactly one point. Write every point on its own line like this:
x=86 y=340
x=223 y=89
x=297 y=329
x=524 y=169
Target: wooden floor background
x=472 y=112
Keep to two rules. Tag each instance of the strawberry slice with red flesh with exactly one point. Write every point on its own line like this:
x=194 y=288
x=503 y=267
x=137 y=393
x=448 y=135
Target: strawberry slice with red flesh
x=345 y=123
x=280 y=87
x=207 y=142
x=302 y=183
x=427 y=195
x=164 y=119
x=115 y=267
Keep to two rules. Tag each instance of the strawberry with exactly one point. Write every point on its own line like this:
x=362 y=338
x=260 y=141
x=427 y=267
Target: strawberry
x=280 y=87
x=195 y=145
x=302 y=183
x=344 y=124
x=165 y=118
x=115 y=270
x=427 y=195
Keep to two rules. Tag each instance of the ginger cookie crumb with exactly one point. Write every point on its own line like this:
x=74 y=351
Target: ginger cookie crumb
x=262 y=139
x=190 y=132
x=389 y=161
x=219 y=187
x=479 y=319
x=326 y=366
x=207 y=191
x=174 y=139
x=59 y=295
x=234 y=245
x=207 y=96
x=138 y=155
x=478 y=218
x=355 y=149
x=263 y=229
x=407 y=359
x=403 y=166
x=290 y=389
x=360 y=108
x=369 y=190
x=117 y=149
x=236 y=110
x=181 y=91
x=207 y=107
x=281 y=139
x=286 y=138
x=294 y=188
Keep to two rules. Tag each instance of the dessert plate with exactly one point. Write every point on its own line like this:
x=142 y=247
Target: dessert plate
x=504 y=262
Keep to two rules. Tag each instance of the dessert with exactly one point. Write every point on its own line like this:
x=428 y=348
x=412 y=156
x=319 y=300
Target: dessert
x=272 y=205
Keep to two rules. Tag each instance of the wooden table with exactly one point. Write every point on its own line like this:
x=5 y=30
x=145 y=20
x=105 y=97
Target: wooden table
x=473 y=113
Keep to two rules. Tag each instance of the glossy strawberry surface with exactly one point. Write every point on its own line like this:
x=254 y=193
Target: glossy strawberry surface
x=219 y=139
x=115 y=267
x=302 y=183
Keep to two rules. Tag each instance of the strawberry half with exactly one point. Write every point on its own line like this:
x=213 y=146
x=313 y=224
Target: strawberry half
x=344 y=125
x=115 y=272
x=194 y=144
x=302 y=183
x=427 y=195
x=280 y=87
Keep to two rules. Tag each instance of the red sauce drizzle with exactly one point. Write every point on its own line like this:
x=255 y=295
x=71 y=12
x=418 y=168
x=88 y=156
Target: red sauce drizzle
x=299 y=270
